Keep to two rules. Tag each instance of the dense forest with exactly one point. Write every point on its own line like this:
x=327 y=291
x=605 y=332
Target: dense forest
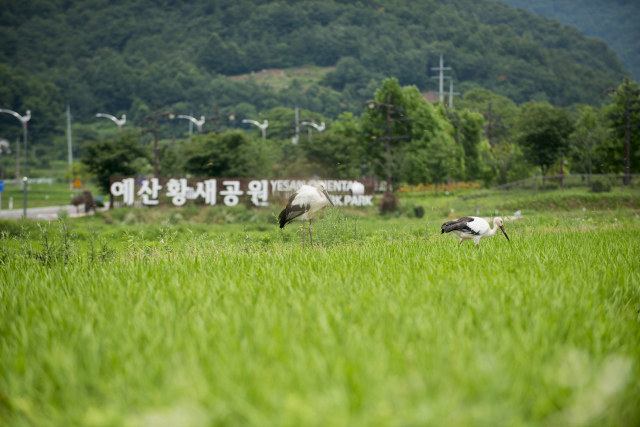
x=617 y=22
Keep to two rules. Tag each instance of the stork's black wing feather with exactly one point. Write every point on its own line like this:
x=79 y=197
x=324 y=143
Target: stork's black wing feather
x=459 y=224
x=292 y=211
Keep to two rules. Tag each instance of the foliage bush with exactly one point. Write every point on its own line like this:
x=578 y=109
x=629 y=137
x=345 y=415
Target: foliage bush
x=389 y=203
x=601 y=187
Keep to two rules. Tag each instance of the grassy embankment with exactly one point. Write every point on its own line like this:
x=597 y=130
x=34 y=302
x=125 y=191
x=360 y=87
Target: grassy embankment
x=376 y=328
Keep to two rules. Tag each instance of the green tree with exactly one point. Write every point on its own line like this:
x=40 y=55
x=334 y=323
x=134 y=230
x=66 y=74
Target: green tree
x=439 y=158
x=509 y=161
x=543 y=131
x=589 y=133
x=231 y=154
x=500 y=113
x=112 y=158
x=614 y=152
x=467 y=132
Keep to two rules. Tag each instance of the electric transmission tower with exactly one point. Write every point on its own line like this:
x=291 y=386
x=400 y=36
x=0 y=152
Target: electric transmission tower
x=441 y=77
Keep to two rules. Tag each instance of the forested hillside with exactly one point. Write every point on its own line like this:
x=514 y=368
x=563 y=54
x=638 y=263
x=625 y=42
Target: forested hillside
x=105 y=54
x=617 y=22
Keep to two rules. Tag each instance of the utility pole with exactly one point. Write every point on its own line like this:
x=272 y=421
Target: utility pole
x=69 y=142
x=627 y=126
x=17 y=159
x=493 y=121
x=441 y=77
x=191 y=124
x=217 y=118
x=155 y=140
x=451 y=93
x=297 y=125
x=154 y=117
x=396 y=111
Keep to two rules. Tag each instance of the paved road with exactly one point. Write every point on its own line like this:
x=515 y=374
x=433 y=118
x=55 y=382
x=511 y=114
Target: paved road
x=46 y=213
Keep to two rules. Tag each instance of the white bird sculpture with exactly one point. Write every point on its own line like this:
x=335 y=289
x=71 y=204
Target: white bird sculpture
x=473 y=228
x=263 y=127
x=198 y=123
x=120 y=123
x=302 y=204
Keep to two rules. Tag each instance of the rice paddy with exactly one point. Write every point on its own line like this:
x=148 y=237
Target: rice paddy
x=371 y=327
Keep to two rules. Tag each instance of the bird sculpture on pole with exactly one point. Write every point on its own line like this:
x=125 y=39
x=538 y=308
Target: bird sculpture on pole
x=473 y=228
x=302 y=204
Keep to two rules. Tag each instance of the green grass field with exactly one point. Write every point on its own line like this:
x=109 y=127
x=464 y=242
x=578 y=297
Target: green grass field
x=377 y=325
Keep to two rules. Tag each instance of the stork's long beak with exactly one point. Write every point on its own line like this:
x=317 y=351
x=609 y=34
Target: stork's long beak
x=505 y=233
x=326 y=193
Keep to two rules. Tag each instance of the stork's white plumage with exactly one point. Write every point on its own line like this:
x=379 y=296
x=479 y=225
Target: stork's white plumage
x=473 y=228
x=302 y=204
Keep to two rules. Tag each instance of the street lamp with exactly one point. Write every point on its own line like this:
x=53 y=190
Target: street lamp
x=263 y=126
x=120 y=122
x=198 y=123
x=154 y=117
x=24 y=120
x=318 y=128
x=4 y=150
x=24 y=198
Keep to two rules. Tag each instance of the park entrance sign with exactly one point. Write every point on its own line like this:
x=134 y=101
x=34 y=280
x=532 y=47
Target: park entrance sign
x=230 y=191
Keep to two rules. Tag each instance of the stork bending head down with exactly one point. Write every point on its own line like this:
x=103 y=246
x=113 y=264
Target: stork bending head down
x=473 y=228
x=302 y=204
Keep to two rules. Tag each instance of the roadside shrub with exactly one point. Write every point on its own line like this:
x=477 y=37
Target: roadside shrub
x=601 y=187
x=389 y=203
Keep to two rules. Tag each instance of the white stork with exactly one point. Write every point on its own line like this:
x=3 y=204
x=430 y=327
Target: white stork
x=473 y=228
x=303 y=203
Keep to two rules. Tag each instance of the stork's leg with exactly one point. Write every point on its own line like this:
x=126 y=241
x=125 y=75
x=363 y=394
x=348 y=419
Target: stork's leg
x=303 y=233
x=310 y=235
x=461 y=240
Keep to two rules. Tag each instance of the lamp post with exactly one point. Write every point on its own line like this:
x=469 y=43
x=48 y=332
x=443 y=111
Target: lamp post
x=318 y=128
x=120 y=122
x=263 y=126
x=197 y=122
x=24 y=198
x=24 y=120
x=4 y=150
x=154 y=117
